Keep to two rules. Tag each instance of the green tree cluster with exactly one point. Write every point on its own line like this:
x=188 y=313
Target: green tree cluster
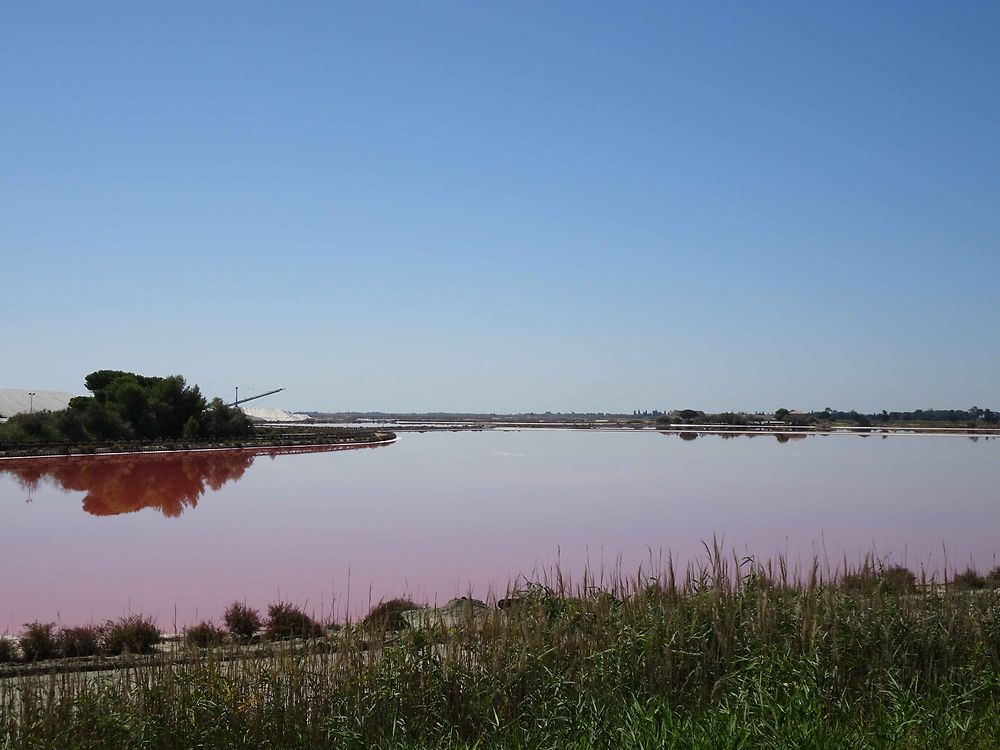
x=126 y=406
x=971 y=417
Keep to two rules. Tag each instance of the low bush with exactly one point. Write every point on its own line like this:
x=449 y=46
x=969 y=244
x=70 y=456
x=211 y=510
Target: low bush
x=860 y=581
x=84 y=640
x=242 y=622
x=993 y=579
x=389 y=615
x=288 y=621
x=38 y=641
x=204 y=635
x=894 y=579
x=898 y=580
x=8 y=650
x=131 y=635
x=969 y=580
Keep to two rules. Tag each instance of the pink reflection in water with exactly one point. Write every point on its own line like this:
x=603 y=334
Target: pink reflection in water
x=126 y=483
x=439 y=514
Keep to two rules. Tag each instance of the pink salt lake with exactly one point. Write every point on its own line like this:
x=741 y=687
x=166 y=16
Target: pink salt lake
x=435 y=515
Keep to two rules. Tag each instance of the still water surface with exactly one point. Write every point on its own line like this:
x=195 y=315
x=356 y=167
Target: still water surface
x=179 y=536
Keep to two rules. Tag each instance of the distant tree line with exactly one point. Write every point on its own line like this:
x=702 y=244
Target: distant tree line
x=973 y=414
x=694 y=416
x=126 y=406
x=971 y=417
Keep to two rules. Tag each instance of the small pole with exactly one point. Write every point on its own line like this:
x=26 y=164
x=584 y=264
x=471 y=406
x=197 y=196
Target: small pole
x=31 y=402
x=237 y=401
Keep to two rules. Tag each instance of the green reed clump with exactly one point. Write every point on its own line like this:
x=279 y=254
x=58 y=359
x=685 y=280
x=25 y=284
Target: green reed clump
x=134 y=634
x=242 y=622
x=732 y=654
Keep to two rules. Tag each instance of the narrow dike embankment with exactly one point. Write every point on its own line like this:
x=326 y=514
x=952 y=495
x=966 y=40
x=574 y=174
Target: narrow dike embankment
x=339 y=438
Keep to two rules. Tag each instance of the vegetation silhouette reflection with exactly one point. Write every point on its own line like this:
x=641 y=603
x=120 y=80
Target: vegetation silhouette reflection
x=781 y=437
x=168 y=482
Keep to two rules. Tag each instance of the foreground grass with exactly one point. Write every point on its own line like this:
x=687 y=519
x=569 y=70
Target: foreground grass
x=715 y=660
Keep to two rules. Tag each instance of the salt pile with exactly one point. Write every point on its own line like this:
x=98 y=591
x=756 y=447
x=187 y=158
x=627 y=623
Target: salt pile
x=16 y=401
x=260 y=414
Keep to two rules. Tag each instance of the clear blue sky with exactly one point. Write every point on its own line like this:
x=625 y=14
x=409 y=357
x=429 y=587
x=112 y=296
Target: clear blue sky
x=504 y=207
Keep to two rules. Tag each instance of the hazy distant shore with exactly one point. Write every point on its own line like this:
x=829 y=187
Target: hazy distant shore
x=453 y=423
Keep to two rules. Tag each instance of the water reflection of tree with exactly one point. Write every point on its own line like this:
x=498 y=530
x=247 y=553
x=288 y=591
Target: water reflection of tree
x=781 y=437
x=784 y=437
x=169 y=482
x=125 y=484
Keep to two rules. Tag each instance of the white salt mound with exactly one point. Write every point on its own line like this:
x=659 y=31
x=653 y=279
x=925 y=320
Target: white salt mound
x=261 y=414
x=16 y=401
